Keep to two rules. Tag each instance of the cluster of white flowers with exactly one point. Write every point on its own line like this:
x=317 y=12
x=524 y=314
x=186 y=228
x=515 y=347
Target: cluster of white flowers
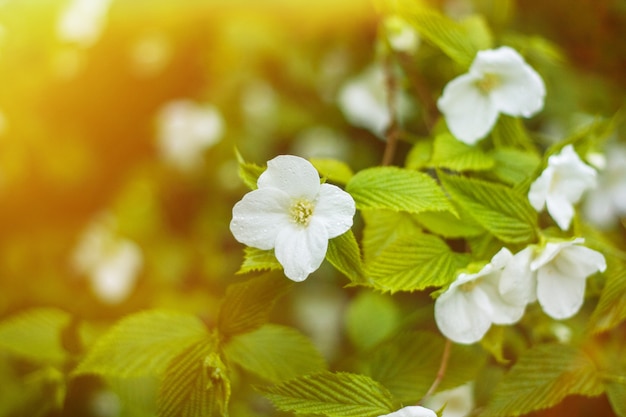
x=185 y=130
x=498 y=81
x=110 y=262
x=555 y=274
x=292 y=213
x=561 y=185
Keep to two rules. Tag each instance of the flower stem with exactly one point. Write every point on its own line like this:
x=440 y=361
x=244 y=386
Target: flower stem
x=392 y=133
x=445 y=357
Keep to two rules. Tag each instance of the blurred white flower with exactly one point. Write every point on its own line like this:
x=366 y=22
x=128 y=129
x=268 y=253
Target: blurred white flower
x=186 y=130
x=498 y=81
x=412 y=411
x=292 y=213
x=458 y=402
x=472 y=303
x=363 y=101
x=561 y=185
x=82 y=21
x=111 y=263
x=150 y=53
x=562 y=269
x=606 y=203
x=321 y=142
x=401 y=35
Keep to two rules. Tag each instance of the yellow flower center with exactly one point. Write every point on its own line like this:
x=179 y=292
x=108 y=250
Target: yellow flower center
x=488 y=83
x=301 y=211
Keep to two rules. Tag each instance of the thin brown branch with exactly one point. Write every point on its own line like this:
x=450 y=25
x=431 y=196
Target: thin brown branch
x=392 y=133
x=445 y=357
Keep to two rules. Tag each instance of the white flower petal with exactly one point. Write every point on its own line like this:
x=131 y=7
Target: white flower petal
x=560 y=295
x=260 y=216
x=540 y=188
x=412 y=411
x=517 y=281
x=115 y=276
x=469 y=113
x=520 y=91
x=459 y=318
x=582 y=261
x=335 y=208
x=561 y=210
x=294 y=175
x=301 y=250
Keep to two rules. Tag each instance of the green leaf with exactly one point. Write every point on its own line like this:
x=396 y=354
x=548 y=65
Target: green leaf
x=248 y=172
x=196 y=384
x=611 y=309
x=510 y=132
x=383 y=227
x=419 y=155
x=344 y=254
x=335 y=171
x=542 y=378
x=332 y=395
x=448 y=152
x=247 y=305
x=275 y=353
x=414 y=263
x=408 y=364
x=445 y=224
x=514 y=166
x=616 y=392
x=36 y=335
x=142 y=344
x=499 y=209
x=258 y=260
x=449 y=36
x=371 y=318
x=397 y=189
x=478 y=30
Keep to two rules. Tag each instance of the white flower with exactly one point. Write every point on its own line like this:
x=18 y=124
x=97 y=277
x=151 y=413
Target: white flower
x=185 y=130
x=363 y=101
x=412 y=411
x=498 y=81
x=458 y=402
x=561 y=185
x=292 y=213
x=562 y=269
x=474 y=302
x=110 y=262
x=607 y=202
x=82 y=21
x=401 y=35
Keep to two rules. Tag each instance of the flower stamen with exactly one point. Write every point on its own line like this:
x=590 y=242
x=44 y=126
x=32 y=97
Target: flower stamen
x=488 y=83
x=301 y=211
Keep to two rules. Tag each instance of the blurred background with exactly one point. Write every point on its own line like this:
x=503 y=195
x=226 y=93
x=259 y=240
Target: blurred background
x=119 y=122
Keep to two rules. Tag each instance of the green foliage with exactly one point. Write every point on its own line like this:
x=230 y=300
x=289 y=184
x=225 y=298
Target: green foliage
x=448 y=152
x=382 y=228
x=274 y=353
x=513 y=166
x=499 y=209
x=397 y=189
x=335 y=171
x=451 y=37
x=196 y=384
x=408 y=364
x=371 y=318
x=447 y=225
x=611 y=308
x=258 y=260
x=36 y=335
x=616 y=392
x=509 y=132
x=142 y=344
x=332 y=395
x=414 y=263
x=344 y=254
x=248 y=171
x=542 y=378
x=247 y=305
